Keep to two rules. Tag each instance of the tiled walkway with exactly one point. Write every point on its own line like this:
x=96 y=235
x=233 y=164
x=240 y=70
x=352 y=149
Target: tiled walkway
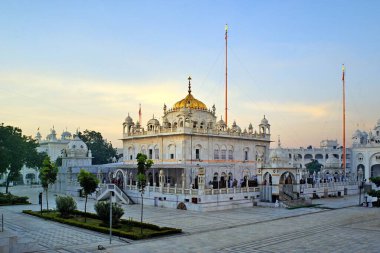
x=256 y=229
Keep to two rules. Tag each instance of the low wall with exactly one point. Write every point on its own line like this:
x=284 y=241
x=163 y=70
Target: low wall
x=329 y=190
x=196 y=202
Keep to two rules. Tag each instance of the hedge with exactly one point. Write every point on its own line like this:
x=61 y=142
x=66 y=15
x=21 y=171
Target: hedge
x=160 y=231
x=9 y=199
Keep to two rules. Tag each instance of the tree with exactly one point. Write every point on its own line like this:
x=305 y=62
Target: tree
x=102 y=151
x=16 y=150
x=143 y=165
x=313 y=166
x=48 y=175
x=89 y=183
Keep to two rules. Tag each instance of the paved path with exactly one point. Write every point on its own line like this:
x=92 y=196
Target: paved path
x=344 y=229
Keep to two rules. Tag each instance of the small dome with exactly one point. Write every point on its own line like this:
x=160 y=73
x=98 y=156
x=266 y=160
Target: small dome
x=66 y=135
x=76 y=148
x=264 y=121
x=38 y=136
x=250 y=127
x=154 y=122
x=220 y=123
x=235 y=127
x=128 y=119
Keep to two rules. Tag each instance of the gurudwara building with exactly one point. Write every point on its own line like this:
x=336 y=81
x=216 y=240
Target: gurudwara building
x=193 y=151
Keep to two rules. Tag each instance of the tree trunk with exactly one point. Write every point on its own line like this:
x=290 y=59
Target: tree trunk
x=47 y=200
x=142 y=208
x=85 y=210
x=7 y=185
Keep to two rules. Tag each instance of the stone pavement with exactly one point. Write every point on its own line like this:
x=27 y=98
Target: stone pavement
x=256 y=229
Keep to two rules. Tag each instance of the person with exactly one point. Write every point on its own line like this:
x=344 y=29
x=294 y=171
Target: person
x=234 y=184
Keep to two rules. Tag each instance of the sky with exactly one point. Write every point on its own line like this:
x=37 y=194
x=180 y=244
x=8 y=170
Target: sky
x=87 y=64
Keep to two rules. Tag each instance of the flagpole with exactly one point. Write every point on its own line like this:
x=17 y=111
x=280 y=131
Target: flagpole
x=344 y=120
x=226 y=107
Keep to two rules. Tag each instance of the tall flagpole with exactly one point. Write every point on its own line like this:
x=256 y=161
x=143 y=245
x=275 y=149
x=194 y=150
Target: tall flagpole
x=344 y=121
x=226 y=107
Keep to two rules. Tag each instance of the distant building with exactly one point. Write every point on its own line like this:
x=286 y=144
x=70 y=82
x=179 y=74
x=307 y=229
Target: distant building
x=366 y=152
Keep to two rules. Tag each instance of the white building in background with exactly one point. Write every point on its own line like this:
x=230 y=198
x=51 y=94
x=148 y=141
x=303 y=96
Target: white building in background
x=329 y=154
x=366 y=152
x=52 y=146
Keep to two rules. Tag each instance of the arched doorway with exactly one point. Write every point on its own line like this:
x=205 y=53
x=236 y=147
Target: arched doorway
x=156 y=179
x=375 y=170
x=119 y=179
x=215 y=181
x=150 y=178
x=223 y=178
x=230 y=178
x=267 y=179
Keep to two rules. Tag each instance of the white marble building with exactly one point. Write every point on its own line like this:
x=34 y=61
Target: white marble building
x=190 y=137
x=366 y=152
x=52 y=146
x=329 y=154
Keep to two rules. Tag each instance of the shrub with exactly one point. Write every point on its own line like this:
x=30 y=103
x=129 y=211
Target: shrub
x=102 y=208
x=66 y=205
x=9 y=199
x=375 y=180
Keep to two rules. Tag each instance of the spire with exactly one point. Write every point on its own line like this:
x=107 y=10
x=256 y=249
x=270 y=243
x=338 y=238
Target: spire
x=279 y=142
x=189 y=84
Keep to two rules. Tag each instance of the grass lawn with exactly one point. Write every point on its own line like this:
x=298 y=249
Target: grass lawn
x=126 y=228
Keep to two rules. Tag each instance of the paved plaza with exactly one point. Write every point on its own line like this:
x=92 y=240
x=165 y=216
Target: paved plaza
x=336 y=225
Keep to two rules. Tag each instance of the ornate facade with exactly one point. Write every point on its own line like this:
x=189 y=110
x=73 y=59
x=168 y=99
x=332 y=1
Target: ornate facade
x=366 y=152
x=188 y=138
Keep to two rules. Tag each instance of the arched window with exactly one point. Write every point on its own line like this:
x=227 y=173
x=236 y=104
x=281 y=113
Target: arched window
x=223 y=152
x=171 y=151
x=230 y=153
x=156 y=152
x=198 y=149
x=216 y=152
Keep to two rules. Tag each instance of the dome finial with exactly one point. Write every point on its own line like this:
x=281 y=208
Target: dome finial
x=279 y=142
x=189 y=84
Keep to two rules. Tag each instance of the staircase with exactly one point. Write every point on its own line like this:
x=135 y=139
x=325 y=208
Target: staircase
x=290 y=198
x=120 y=195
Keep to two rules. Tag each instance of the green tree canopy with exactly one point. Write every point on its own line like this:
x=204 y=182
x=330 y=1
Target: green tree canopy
x=102 y=151
x=313 y=166
x=89 y=183
x=48 y=175
x=16 y=150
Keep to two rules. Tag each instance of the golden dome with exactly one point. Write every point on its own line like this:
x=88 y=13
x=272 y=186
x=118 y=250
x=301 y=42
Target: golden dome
x=189 y=102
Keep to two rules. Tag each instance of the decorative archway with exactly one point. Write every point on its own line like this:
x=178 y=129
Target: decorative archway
x=360 y=172
x=119 y=178
x=267 y=179
x=287 y=178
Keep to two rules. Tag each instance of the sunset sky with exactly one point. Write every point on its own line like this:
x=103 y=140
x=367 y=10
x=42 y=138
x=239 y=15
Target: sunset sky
x=87 y=64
